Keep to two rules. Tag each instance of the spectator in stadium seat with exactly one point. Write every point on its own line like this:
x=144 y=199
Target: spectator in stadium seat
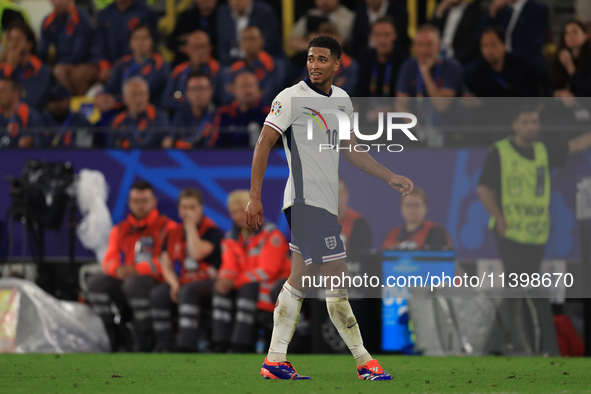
x=367 y=14
x=258 y=62
x=417 y=232
x=502 y=74
x=15 y=117
x=346 y=76
x=142 y=61
x=240 y=123
x=426 y=75
x=9 y=13
x=570 y=68
x=332 y=10
x=356 y=233
x=198 y=49
x=69 y=30
x=191 y=255
x=131 y=265
x=201 y=17
x=252 y=261
x=114 y=26
x=17 y=61
x=380 y=65
x=460 y=23
x=60 y=121
x=193 y=123
x=525 y=23
x=141 y=125
x=234 y=17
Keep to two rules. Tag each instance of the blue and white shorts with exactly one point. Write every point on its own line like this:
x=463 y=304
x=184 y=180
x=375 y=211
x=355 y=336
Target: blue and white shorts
x=315 y=234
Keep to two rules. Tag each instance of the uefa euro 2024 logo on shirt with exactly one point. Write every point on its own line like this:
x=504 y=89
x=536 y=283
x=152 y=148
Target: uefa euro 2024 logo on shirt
x=344 y=129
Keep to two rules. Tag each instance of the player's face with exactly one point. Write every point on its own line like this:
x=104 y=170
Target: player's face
x=141 y=202
x=199 y=92
x=190 y=209
x=238 y=214
x=413 y=209
x=493 y=49
x=321 y=65
x=141 y=42
x=527 y=126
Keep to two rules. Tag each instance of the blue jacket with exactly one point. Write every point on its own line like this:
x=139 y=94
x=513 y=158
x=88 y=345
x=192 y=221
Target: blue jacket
x=529 y=34
x=232 y=125
x=70 y=35
x=262 y=16
x=173 y=96
x=14 y=127
x=60 y=134
x=111 y=40
x=267 y=71
x=35 y=80
x=154 y=70
x=189 y=131
x=146 y=131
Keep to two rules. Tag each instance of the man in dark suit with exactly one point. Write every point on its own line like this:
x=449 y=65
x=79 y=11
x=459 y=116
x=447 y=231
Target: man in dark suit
x=234 y=17
x=526 y=24
x=367 y=14
x=460 y=23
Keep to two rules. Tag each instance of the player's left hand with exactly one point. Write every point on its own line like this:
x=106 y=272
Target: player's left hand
x=254 y=213
x=402 y=184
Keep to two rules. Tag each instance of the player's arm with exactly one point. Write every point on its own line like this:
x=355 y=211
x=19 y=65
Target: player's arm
x=580 y=143
x=367 y=164
x=254 y=209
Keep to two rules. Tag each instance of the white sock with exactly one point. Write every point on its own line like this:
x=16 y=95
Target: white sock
x=285 y=319
x=339 y=310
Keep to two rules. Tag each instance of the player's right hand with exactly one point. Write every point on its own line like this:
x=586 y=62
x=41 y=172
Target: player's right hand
x=402 y=184
x=254 y=213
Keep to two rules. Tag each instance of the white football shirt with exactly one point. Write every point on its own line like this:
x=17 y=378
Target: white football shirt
x=313 y=172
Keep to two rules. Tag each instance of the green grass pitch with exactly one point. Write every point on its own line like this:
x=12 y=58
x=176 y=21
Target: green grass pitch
x=221 y=373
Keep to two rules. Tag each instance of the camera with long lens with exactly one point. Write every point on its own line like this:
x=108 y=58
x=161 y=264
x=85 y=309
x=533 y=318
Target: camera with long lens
x=42 y=193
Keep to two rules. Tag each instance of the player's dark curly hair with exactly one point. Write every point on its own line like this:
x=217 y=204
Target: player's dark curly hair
x=328 y=43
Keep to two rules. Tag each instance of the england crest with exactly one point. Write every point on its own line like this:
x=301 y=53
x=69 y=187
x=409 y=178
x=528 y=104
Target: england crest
x=331 y=242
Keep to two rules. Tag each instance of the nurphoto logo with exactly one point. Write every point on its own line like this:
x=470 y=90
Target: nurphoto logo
x=344 y=129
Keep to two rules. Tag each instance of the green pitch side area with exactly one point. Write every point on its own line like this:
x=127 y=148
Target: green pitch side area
x=220 y=373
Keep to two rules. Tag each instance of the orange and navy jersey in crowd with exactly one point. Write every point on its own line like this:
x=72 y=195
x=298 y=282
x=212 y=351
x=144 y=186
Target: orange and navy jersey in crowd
x=60 y=133
x=260 y=257
x=146 y=131
x=396 y=238
x=11 y=128
x=188 y=131
x=346 y=76
x=155 y=70
x=137 y=243
x=232 y=125
x=70 y=34
x=265 y=69
x=34 y=78
x=186 y=268
x=174 y=93
x=111 y=39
